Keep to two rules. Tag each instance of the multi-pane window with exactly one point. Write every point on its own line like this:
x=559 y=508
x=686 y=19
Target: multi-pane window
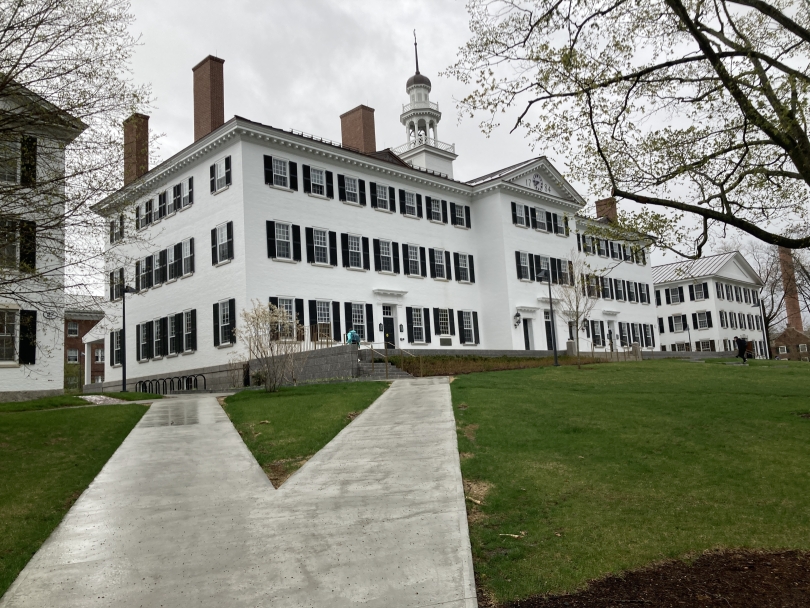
x=444 y=322
x=754 y=298
x=619 y=289
x=355 y=255
x=283 y=239
x=158 y=338
x=463 y=268
x=188 y=330
x=702 y=320
x=280 y=173
x=544 y=272
x=324 y=318
x=98 y=355
x=418 y=325
x=439 y=263
x=732 y=318
x=387 y=312
x=759 y=322
x=73 y=355
x=410 y=203
x=677 y=322
x=783 y=350
x=351 y=190
x=705 y=345
x=414 y=267
x=750 y=321
x=460 y=219
x=597 y=333
x=601 y=246
x=729 y=293
x=156 y=270
x=9 y=153
x=382 y=197
x=321 y=246
x=73 y=328
x=116 y=347
x=606 y=288
x=737 y=294
x=520 y=215
x=146 y=272
x=593 y=286
x=802 y=348
x=524 y=265
x=143 y=341
x=221 y=180
x=174 y=334
x=699 y=295
x=558 y=222
x=435 y=210
x=318 y=181
x=631 y=291
x=188 y=257
x=170 y=262
x=565 y=279
x=186 y=190
x=224 y=322
x=467 y=327
x=719 y=288
x=286 y=325
x=359 y=320
x=674 y=295
x=385 y=256
x=8 y=243
x=723 y=319
x=222 y=242
x=747 y=295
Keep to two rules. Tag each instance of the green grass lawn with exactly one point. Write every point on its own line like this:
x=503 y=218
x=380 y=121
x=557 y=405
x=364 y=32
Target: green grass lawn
x=49 y=403
x=47 y=459
x=615 y=466
x=283 y=430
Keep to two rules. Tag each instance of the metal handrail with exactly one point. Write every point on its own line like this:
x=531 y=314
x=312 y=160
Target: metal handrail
x=402 y=352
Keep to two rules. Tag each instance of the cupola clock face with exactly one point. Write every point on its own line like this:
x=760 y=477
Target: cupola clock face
x=537 y=182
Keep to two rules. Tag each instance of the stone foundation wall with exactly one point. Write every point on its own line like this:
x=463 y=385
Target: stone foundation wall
x=7 y=396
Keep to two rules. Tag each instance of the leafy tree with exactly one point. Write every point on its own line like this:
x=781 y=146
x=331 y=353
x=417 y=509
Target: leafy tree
x=693 y=108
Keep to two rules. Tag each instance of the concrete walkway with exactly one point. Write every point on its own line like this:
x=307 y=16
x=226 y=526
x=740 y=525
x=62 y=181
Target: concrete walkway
x=182 y=515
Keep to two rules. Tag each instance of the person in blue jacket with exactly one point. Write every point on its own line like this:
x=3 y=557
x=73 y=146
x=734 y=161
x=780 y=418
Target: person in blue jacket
x=352 y=337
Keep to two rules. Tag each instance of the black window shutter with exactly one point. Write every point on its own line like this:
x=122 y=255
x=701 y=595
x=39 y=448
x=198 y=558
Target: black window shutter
x=602 y=336
x=193 y=333
x=299 y=311
x=347 y=308
x=268 y=170
x=447 y=267
x=514 y=213
x=436 y=322
x=28 y=246
x=694 y=320
x=567 y=230
x=549 y=218
x=373 y=191
x=392 y=203
x=366 y=257
x=296 y=237
x=658 y=297
x=307 y=179
x=163 y=257
x=517 y=265
x=451 y=321
x=293 y=176
x=112 y=286
x=444 y=212
x=709 y=319
x=333 y=258
x=341 y=188
x=532 y=274
x=361 y=185
x=377 y=266
x=526 y=214
x=178 y=259
x=475 y=328
x=344 y=246
x=180 y=332
x=190 y=190
x=150 y=340
x=680 y=293
x=705 y=291
x=402 y=201
x=336 y=331
x=28 y=161
x=453 y=213
x=406 y=261
x=111 y=349
x=330 y=185
x=423 y=261
x=395 y=252
x=216 y=324
x=191 y=251
x=472 y=268
x=635 y=287
x=28 y=337
x=712 y=345
x=309 y=234
x=666 y=294
x=467 y=216
x=213 y=177
x=214 y=260
x=232 y=319
x=461 y=327
x=227 y=170
x=112 y=231
x=455 y=264
x=692 y=292
x=579 y=240
x=587 y=329
x=370 y=322
x=274 y=301
x=271 y=239
x=426 y=318
x=661 y=325
x=138 y=342
x=418 y=205
x=432 y=256
x=671 y=325
x=554 y=269
x=313 y=316
x=229 y=234
x=137 y=276
x=409 y=320
x=164 y=336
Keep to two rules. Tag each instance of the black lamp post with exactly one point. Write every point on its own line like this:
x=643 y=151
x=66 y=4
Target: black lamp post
x=545 y=275
x=127 y=289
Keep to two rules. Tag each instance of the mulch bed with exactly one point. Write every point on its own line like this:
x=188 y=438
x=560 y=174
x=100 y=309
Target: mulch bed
x=728 y=579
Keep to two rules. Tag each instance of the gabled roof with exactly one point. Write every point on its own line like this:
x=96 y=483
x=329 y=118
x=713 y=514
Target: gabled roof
x=35 y=110
x=541 y=164
x=704 y=267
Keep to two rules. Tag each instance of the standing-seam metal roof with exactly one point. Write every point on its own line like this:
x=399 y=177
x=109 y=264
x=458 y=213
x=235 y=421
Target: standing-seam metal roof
x=693 y=269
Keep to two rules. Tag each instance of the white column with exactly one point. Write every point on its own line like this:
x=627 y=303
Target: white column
x=88 y=362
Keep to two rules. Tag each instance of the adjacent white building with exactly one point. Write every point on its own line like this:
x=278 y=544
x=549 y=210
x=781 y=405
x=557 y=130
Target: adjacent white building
x=344 y=236
x=703 y=304
x=32 y=167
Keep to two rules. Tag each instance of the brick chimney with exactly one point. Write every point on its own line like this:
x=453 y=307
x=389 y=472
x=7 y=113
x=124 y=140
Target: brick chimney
x=136 y=147
x=357 y=129
x=794 y=311
x=607 y=208
x=209 y=96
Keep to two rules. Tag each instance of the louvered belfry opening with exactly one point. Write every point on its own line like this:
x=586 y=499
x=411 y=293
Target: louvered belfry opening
x=136 y=147
x=209 y=96
x=357 y=129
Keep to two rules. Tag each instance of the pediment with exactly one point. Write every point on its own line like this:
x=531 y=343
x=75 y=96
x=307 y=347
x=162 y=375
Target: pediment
x=542 y=177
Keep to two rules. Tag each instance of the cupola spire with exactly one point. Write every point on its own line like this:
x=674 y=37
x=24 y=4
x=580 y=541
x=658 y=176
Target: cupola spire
x=415 y=51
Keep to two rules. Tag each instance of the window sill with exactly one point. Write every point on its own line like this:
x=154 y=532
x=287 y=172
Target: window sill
x=439 y=222
x=565 y=236
x=222 y=263
x=526 y=281
x=115 y=366
x=382 y=209
x=156 y=286
x=174 y=280
x=415 y=276
x=171 y=355
x=284 y=260
x=520 y=226
x=157 y=358
x=320 y=196
x=464 y=282
x=387 y=272
x=321 y=264
x=228 y=345
x=185 y=276
x=355 y=269
x=221 y=190
x=184 y=207
x=410 y=217
x=144 y=361
x=188 y=352
x=282 y=188
x=442 y=279
x=351 y=204
x=9 y=364
x=460 y=226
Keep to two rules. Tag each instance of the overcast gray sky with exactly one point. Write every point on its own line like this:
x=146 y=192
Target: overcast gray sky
x=300 y=64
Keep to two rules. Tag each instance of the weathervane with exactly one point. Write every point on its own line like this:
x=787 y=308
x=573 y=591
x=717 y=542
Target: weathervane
x=415 y=51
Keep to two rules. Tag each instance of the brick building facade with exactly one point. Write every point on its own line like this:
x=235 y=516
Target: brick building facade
x=791 y=345
x=77 y=324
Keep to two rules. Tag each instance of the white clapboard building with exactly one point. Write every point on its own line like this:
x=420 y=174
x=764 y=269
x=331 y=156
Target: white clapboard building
x=703 y=304
x=344 y=236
